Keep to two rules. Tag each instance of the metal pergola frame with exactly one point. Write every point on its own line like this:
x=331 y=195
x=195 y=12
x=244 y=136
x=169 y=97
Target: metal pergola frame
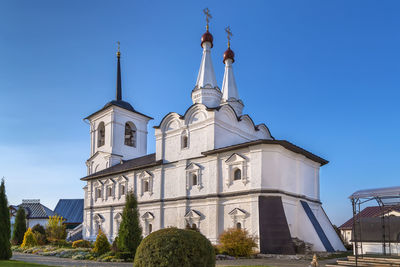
x=385 y=197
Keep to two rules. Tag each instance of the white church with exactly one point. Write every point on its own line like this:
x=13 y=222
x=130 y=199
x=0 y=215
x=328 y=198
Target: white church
x=213 y=169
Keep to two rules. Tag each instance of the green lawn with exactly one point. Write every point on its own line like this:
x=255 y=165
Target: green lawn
x=20 y=264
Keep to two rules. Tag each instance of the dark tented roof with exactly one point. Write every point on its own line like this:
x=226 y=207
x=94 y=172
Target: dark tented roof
x=119 y=103
x=35 y=210
x=368 y=212
x=70 y=209
x=126 y=165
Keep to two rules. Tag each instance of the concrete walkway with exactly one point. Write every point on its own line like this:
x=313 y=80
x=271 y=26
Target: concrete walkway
x=55 y=261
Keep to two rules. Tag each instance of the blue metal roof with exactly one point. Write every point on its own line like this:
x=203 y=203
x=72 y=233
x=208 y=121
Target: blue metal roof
x=70 y=209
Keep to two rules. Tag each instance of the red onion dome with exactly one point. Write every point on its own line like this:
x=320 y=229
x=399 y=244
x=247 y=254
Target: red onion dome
x=229 y=54
x=207 y=37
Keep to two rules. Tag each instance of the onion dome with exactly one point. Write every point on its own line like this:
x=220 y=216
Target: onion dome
x=207 y=37
x=229 y=54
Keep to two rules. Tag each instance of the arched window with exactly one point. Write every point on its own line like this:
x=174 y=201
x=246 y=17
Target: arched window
x=146 y=186
x=130 y=134
x=194 y=226
x=238 y=225
x=185 y=140
x=150 y=228
x=109 y=191
x=237 y=175
x=122 y=190
x=101 y=134
x=194 y=179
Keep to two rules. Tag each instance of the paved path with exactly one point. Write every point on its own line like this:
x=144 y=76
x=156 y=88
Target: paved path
x=56 y=261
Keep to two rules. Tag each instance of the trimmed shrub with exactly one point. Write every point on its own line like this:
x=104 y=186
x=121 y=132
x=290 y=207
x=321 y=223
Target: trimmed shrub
x=237 y=243
x=101 y=245
x=114 y=245
x=5 y=225
x=175 y=247
x=81 y=244
x=19 y=227
x=29 y=239
x=40 y=234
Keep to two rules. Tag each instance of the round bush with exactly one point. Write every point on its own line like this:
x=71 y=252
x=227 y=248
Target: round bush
x=101 y=245
x=175 y=247
x=237 y=243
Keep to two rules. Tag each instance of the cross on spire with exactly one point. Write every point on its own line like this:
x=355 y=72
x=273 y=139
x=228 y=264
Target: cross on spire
x=118 y=52
x=229 y=35
x=208 y=16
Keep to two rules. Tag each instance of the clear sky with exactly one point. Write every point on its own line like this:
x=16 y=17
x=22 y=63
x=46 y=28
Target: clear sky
x=323 y=75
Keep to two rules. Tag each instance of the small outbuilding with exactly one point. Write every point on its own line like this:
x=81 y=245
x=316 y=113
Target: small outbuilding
x=379 y=234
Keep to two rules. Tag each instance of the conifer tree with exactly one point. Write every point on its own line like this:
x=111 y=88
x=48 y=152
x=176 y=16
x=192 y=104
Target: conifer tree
x=19 y=227
x=130 y=231
x=5 y=225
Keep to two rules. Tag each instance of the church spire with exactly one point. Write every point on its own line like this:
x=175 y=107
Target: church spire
x=119 y=88
x=230 y=94
x=206 y=90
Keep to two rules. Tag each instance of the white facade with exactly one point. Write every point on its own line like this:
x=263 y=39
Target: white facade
x=210 y=169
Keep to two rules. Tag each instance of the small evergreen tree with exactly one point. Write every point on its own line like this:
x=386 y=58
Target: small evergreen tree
x=5 y=225
x=130 y=231
x=29 y=239
x=101 y=245
x=19 y=227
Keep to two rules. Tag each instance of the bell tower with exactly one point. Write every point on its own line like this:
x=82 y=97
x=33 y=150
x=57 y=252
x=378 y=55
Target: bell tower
x=117 y=131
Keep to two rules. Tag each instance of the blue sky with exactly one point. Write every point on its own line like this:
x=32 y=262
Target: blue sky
x=323 y=75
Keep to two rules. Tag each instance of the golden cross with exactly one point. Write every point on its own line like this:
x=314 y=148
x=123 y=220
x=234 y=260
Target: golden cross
x=208 y=16
x=118 y=45
x=229 y=33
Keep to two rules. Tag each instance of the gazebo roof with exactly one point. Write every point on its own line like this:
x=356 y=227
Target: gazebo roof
x=377 y=192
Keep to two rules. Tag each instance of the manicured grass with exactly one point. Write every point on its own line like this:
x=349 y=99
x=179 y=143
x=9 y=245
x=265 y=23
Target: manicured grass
x=20 y=264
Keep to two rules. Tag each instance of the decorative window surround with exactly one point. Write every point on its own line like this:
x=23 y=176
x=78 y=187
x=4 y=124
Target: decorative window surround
x=147 y=218
x=98 y=221
x=117 y=219
x=122 y=182
x=185 y=139
x=146 y=176
x=193 y=169
x=98 y=185
x=233 y=163
x=193 y=217
x=110 y=185
x=238 y=216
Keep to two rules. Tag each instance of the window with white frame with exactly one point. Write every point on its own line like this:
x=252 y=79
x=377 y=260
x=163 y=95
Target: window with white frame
x=238 y=217
x=130 y=134
x=122 y=185
x=236 y=168
x=110 y=188
x=148 y=219
x=184 y=139
x=193 y=218
x=98 y=223
x=193 y=176
x=146 y=181
x=98 y=190
x=117 y=219
x=101 y=134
